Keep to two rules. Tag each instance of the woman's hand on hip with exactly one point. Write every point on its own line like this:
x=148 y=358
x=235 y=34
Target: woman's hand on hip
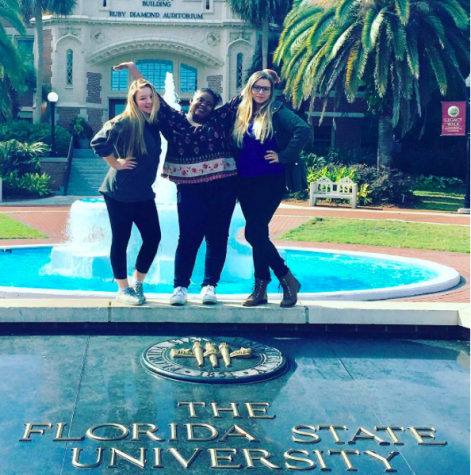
x=272 y=157
x=125 y=164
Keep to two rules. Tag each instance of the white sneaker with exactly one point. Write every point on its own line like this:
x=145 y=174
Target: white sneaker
x=139 y=291
x=208 y=295
x=179 y=296
x=128 y=296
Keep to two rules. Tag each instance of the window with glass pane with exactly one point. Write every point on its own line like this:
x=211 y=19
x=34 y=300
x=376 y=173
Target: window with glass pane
x=188 y=78
x=70 y=68
x=25 y=45
x=119 y=80
x=154 y=70
x=240 y=70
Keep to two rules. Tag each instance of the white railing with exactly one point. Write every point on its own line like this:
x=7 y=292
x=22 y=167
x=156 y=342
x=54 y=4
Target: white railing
x=325 y=188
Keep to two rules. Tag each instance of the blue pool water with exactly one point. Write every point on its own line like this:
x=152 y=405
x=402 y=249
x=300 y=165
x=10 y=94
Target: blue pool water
x=317 y=271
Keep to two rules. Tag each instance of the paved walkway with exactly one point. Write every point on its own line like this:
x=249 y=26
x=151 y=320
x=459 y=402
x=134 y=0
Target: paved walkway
x=51 y=219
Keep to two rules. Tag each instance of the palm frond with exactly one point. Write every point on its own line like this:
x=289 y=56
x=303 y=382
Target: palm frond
x=438 y=68
x=383 y=54
x=456 y=12
x=344 y=8
x=402 y=10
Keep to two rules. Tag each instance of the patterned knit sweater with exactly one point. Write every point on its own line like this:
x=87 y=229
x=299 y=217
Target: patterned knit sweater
x=201 y=153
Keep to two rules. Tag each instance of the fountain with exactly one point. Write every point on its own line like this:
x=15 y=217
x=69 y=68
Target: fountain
x=82 y=266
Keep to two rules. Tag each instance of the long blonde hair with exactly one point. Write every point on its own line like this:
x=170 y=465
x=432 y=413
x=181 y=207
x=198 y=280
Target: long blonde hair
x=263 y=119
x=132 y=133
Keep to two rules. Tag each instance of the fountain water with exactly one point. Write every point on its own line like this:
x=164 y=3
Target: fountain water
x=86 y=253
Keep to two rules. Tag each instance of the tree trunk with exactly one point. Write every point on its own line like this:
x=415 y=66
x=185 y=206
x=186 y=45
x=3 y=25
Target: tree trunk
x=265 y=31
x=40 y=64
x=385 y=142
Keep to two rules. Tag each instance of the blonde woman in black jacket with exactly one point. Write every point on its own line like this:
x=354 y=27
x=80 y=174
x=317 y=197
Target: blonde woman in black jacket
x=130 y=145
x=269 y=138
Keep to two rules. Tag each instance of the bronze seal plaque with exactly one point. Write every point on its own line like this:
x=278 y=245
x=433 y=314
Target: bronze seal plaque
x=214 y=360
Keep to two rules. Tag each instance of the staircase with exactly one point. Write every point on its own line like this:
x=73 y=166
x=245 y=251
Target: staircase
x=86 y=174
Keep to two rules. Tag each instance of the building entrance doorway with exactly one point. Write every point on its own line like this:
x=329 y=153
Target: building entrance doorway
x=116 y=107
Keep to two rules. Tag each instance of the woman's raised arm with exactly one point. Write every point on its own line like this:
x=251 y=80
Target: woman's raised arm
x=131 y=67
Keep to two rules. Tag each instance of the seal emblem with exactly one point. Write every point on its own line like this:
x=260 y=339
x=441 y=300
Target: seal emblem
x=214 y=360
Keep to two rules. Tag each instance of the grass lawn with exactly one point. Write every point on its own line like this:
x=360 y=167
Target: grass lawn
x=383 y=233
x=11 y=229
x=450 y=199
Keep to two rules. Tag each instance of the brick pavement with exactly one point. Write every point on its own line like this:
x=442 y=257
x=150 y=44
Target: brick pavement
x=52 y=220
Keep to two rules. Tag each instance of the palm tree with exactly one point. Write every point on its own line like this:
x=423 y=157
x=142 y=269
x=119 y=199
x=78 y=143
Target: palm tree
x=11 y=66
x=398 y=51
x=260 y=13
x=37 y=8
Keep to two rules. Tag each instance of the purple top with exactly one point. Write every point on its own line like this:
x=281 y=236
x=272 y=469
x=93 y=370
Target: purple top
x=252 y=161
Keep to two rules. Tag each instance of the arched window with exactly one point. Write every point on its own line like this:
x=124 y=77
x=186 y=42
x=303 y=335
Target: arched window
x=104 y=3
x=119 y=80
x=240 y=71
x=69 y=75
x=188 y=78
x=154 y=70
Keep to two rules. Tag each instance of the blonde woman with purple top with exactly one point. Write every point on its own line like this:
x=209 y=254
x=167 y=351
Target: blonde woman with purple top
x=269 y=138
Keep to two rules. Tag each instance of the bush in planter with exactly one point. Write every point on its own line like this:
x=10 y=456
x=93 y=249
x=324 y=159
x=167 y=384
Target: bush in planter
x=82 y=131
x=20 y=157
x=30 y=184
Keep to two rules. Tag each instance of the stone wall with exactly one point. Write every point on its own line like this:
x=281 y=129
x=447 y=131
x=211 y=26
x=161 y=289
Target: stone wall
x=66 y=115
x=47 y=57
x=95 y=119
x=215 y=83
x=56 y=168
x=94 y=88
x=25 y=99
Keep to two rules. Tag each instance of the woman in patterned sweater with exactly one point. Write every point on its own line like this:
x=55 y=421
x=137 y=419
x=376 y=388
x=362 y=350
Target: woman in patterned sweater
x=199 y=160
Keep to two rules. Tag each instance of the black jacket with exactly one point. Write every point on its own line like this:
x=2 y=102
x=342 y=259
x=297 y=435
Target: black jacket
x=129 y=185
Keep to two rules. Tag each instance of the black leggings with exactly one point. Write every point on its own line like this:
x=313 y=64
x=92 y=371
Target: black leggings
x=259 y=198
x=204 y=212
x=122 y=216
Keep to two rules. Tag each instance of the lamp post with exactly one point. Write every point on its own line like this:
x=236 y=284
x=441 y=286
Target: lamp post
x=52 y=97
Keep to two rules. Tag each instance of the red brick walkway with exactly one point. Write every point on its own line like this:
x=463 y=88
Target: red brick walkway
x=52 y=221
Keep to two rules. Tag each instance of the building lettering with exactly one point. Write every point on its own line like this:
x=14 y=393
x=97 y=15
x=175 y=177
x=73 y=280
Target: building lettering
x=150 y=3
x=166 y=16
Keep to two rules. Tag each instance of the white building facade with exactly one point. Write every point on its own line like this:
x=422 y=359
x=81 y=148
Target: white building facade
x=199 y=41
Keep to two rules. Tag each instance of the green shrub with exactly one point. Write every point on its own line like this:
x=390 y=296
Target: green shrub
x=388 y=186
x=333 y=172
x=24 y=131
x=338 y=156
x=313 y=160
x=30 y=184
x=20 y=157
x=437 y=181
x=81 y=128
